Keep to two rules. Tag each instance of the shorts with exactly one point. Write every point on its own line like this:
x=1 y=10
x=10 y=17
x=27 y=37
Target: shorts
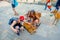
x=19 y=25
x=49 y=7
x=13 y=6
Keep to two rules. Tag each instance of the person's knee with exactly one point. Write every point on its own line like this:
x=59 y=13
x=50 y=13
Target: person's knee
x=22 y=28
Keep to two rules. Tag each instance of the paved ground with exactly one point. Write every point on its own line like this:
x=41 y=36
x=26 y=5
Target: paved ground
x=46 y=31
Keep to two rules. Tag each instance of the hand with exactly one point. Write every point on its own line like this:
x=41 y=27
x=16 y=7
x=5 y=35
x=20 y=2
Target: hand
x=15 y=30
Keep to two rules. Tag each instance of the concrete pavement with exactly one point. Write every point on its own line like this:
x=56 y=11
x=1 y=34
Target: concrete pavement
x=46 y=31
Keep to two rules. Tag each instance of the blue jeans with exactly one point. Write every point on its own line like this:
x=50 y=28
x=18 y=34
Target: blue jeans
x=45 y=6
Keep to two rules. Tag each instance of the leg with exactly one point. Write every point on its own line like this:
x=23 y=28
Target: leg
x=13 y=7
x=45 y=6
x=18 y=30
x=50 y=9
x=54 y=21
x=15 y=11
x=57 y=8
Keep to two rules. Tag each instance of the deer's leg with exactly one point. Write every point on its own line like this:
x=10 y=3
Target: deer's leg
x=54 y=21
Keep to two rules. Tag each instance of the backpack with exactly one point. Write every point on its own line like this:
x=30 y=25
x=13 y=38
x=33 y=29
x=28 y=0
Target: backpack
x=11 y=20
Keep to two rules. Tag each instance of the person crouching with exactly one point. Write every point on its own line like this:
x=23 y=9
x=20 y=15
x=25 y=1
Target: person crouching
x=16 y=25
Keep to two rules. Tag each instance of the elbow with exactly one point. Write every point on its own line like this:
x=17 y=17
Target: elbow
x=11 y=27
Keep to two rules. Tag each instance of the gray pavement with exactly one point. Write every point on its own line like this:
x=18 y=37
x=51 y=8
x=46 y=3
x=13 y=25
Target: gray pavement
x=46 y=30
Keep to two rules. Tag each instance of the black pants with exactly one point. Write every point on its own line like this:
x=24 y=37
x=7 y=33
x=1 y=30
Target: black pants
x=13 y=6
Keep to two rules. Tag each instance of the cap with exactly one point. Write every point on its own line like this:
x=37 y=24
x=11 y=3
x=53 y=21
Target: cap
x=21 y=18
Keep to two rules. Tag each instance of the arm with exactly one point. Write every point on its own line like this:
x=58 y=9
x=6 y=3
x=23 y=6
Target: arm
x=14 y=22
x=26 y=16
x=38 y=15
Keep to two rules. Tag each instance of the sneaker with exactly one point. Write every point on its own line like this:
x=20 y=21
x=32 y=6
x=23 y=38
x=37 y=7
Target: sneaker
x=38 y=25
x=18 y=34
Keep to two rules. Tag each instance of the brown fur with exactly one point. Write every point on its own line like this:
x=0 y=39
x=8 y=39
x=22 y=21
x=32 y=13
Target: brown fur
x=57 y=15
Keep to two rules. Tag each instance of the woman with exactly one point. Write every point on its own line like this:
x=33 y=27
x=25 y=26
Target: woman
x=33 y=18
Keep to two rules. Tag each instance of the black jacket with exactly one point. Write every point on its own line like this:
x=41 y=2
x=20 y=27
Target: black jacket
x=58 y=3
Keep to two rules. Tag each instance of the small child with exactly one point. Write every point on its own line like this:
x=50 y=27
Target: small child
x=48 y=4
